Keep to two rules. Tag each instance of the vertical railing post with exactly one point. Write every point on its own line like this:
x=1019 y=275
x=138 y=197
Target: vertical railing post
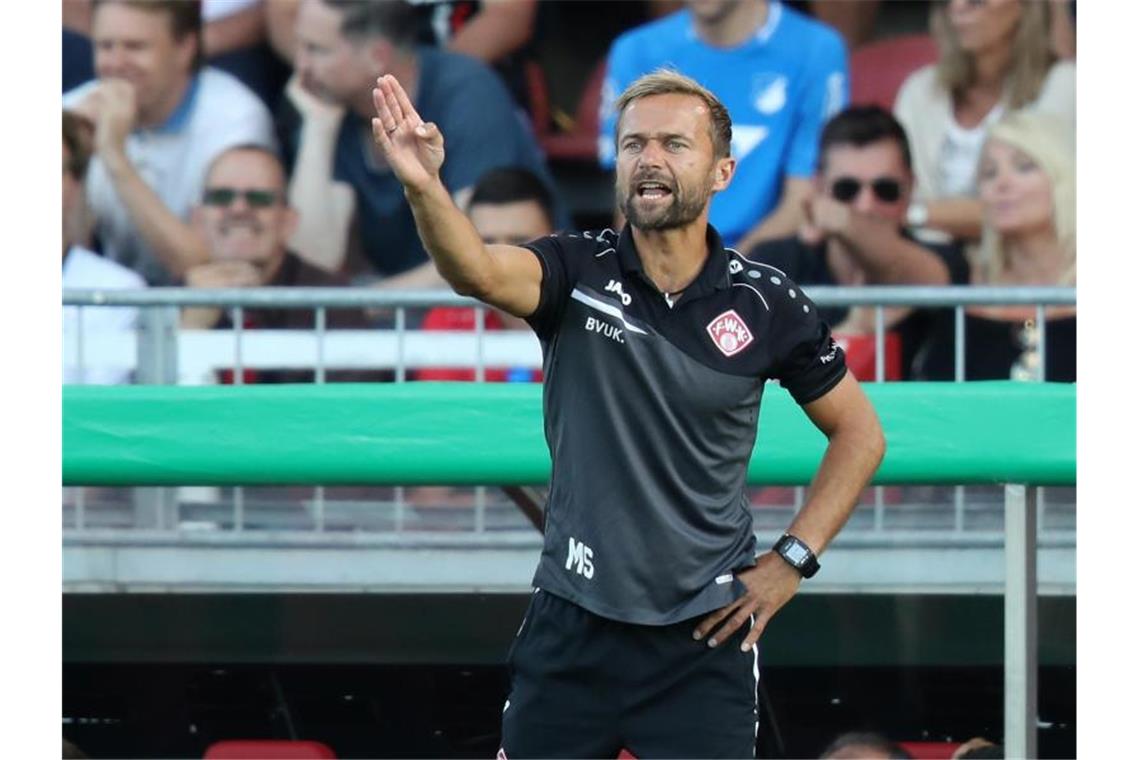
x=157 y=364
x=1020 y=621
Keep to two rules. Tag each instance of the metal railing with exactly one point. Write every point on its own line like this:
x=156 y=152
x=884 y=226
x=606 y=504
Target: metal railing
x=163 y=353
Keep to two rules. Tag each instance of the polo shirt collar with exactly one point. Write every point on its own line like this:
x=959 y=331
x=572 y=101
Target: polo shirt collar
x=181 y=114
x=712 y=277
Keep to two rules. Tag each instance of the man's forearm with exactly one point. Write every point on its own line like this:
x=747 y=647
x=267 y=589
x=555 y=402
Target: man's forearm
x=325 y=207
x=888 y=257
x=960 y=217
x=782 y=222
x=787 y=217
x=853 y=454
x=423 y=277
x=498 y=29
x=452 y=242
x=173 y=242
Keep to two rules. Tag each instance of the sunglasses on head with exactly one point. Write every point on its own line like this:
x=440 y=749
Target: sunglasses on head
x=846 y=189
x=223 y=197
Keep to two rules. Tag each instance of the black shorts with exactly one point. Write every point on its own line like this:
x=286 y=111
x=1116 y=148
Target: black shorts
x=587 y=686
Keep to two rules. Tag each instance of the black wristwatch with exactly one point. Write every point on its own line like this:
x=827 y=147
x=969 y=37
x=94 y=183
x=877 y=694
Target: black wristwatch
x=797 y=554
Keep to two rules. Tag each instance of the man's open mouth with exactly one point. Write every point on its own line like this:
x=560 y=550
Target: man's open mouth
x=653 y=190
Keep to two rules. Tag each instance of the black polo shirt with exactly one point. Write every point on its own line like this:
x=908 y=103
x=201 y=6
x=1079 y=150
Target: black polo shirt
x=651 y=417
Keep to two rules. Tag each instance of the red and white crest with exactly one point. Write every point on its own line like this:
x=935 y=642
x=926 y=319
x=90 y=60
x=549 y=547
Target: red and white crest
x=729 y=333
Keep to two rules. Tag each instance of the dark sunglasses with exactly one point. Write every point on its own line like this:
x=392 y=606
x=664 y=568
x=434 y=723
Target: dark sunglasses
x=223 y=197
x=845 y=189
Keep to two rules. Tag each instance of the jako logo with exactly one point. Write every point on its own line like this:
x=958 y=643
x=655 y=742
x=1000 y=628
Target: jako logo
x=729 y=333
x=581 y=558
x=593 y=324
x=613 y=286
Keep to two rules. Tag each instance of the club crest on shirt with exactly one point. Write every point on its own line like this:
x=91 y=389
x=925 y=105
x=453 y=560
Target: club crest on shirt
x=729 y=333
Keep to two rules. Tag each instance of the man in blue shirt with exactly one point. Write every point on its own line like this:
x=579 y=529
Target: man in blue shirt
x=780 y=74
x=340 y=181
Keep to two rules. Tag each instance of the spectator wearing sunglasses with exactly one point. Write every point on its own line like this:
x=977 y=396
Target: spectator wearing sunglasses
x=995 y=57
x=245 y=218
x=854 y=232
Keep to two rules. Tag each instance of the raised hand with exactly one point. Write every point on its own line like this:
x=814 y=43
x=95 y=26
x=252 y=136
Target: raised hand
x=412 y=148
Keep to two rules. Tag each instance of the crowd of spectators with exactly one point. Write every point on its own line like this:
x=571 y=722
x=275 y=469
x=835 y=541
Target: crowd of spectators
x=227 y=143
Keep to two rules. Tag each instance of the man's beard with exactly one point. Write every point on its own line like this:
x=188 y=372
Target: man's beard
x=683 y=207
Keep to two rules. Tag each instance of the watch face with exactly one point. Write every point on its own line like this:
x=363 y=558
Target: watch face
x=795 y=552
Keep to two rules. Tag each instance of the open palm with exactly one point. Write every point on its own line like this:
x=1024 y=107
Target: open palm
x=413 y=148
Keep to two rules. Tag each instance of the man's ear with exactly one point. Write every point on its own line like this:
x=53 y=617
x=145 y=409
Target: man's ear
x=186 y=49
x=723 y=173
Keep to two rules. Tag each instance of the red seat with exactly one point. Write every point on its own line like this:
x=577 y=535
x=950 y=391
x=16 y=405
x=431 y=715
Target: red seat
x=878 y=69
x=860 y=350
x=267 y=749
x=931 y=750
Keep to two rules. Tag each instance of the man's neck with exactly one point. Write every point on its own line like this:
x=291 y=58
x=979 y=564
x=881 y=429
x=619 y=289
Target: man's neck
x=736 y=26
x=672 y=259
x=165 y=108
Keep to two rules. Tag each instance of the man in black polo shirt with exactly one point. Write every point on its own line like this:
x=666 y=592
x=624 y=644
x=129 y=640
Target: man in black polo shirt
x=657 y=343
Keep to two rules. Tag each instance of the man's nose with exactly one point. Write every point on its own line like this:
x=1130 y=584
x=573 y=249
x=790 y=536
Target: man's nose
x=651 y=154
x=112 y=60
x=865 y=200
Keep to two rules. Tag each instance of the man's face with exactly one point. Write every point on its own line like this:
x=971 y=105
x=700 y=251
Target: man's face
x=666 y=172
x=330 y=66
x=509 y=223
x=243 y=214
x=872 y=179
x=138 y=45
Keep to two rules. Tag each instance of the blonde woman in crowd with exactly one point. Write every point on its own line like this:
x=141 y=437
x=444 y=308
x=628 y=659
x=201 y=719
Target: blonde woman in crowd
x=1027 y=188
x=996 y=57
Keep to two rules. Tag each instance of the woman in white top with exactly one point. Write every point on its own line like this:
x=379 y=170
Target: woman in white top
x=995 y=57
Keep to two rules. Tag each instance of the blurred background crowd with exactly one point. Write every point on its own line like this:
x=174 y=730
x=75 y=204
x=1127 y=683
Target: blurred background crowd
x=226 y=144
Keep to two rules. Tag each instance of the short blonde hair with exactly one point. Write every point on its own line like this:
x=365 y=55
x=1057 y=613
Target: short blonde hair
x=667 y=81
x=1030 y=62
x=1047 y=141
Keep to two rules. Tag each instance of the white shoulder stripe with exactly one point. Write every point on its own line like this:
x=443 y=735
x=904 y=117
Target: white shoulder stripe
x=754 y=263
x=754 y=290
x=606 y=308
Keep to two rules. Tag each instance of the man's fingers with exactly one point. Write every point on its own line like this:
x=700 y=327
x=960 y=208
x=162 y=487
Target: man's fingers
x=429 y=133
x=406 y=107
x=757 y=629
x=389 y=84
x=713 y=620
x=730 y=627
x=380 y=134
x=383 y=112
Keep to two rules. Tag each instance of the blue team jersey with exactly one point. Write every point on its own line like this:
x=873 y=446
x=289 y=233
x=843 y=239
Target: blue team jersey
x=780 y=87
